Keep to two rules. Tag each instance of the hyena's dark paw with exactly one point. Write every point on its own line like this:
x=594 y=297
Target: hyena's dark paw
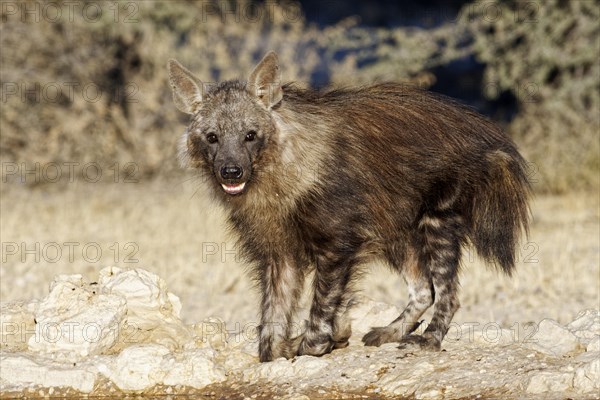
x=379 y=336
x=340 y=344
x=265 y=355
x=293 y=345
x=410 y=342
x=269 y=350
x=342 y=330
x=316 y=345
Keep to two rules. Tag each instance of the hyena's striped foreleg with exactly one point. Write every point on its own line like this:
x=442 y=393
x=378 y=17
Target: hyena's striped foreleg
x=420 y=298
x=441 y=234
x=328 y=326
x=342 y=325
x=281 y=283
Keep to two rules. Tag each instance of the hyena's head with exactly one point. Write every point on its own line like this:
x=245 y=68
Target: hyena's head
x=231 y=122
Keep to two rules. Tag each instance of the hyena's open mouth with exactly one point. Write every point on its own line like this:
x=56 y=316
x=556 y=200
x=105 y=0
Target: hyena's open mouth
x=234 y=188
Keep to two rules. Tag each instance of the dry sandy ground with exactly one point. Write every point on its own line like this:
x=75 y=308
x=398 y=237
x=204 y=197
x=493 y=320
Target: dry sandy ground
x=169 y=228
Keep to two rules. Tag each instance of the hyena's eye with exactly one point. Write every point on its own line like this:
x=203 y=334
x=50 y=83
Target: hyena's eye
x=212 y=138
x=250 y=136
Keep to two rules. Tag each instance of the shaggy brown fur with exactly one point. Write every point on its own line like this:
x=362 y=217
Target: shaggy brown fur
x=329 y=180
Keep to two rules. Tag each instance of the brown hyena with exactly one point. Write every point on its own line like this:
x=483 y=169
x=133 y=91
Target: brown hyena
x=385 y=171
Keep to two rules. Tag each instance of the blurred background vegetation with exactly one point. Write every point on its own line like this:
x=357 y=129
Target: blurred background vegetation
x=88 y=82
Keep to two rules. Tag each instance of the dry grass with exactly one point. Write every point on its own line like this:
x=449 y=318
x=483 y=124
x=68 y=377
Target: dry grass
x=171 y=221
x=545 y=58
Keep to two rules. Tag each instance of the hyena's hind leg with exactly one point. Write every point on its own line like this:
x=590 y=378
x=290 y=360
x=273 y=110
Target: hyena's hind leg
x=420 y=298
x=441 y=234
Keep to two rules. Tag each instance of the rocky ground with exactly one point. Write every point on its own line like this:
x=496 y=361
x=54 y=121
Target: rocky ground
x=122 y=335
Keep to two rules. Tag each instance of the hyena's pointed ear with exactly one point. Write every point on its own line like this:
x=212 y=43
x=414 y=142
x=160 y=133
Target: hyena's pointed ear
x=187 y=89
x=265 y=80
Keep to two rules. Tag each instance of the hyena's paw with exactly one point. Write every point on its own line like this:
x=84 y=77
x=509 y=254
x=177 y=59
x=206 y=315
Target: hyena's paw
x=293 y=345
x=265 y=354
x=419 y=342
x=270 y=349
x=316 y=345
x=341 y=336
x=381 y=335
x=340 y=344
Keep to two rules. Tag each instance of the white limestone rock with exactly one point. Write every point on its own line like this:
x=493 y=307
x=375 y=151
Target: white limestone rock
x=193 y=368
x=554 y=339
x=594 y=344
x=212 y=332
x=406 y=384
x=137 y=367
x=21 y=371
x=17 y=325
x=75 y=320
x=153 y=313
x=587 y=376
x=586 y=327
x=550 y=381
x=298 y=368
x=488 y=335
x=141 y=367
x=153 y=347
x=586 y=324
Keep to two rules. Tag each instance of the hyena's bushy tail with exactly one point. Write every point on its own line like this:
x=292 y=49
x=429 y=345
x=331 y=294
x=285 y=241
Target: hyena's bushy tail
x=500 y=211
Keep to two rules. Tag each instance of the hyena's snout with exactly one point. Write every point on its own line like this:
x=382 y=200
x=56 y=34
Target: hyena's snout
x=231 y=172
x=233 y=175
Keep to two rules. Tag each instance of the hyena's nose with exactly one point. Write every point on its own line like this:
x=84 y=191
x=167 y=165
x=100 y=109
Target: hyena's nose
x=231 y=172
